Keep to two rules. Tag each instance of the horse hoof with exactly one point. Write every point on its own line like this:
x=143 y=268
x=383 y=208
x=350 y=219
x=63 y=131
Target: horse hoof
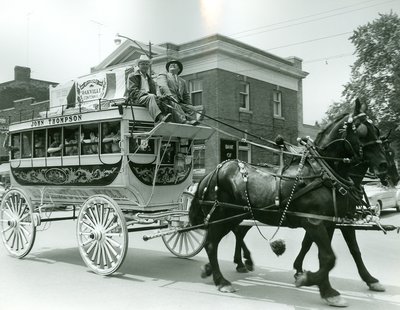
x=249 y=266
x=376 y=287
x=242 y=269
x=336 y=301
x=205 y=271
x=298 y=274
x=226 y=289
x=301 y=279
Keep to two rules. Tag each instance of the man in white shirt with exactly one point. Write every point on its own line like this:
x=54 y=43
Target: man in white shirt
x=143 y=90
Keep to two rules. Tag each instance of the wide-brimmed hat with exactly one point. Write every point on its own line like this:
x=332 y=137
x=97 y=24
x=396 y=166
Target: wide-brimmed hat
x=143 y=58
x=174 y=62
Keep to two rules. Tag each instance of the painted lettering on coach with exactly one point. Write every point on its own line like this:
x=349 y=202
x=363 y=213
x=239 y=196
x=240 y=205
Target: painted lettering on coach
x=57 y=120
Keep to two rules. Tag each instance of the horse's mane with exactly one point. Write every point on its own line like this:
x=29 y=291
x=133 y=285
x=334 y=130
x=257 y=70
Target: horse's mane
x=329 y=127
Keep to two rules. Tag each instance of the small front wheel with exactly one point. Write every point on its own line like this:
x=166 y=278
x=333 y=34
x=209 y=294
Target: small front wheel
x=102 y=234
x=185 y=244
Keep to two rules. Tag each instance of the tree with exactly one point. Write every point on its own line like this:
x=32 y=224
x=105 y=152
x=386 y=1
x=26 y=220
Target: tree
x=375 y=75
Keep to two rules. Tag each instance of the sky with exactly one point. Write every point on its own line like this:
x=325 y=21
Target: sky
x=62 y=39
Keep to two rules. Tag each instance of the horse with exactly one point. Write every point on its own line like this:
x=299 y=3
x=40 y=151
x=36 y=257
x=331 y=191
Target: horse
x=304 y=194
x=356 y=173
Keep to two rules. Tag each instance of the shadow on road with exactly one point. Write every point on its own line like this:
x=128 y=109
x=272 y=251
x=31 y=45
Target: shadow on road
x=266 y=284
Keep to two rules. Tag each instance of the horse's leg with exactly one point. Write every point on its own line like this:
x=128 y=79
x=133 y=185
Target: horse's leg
x=349 y=235
x=240 y=232
x=214 y=236
x=319 y=234
x=305 y=247
x=298 y=262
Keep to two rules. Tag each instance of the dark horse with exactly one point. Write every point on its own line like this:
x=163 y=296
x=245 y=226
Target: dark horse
x=305 y=194
x=356 y=173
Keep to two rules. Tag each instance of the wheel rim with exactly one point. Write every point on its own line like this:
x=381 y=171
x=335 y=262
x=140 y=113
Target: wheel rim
x=185 y=244
x=16 y=221
x=102 y=235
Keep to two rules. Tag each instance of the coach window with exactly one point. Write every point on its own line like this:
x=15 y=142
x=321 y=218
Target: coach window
x=90 y=139
x=39 y=142
x=141 y=146
x=15 y=145
x=71 y=140
x=111 y=136
x=26 y=144
x=55 y=142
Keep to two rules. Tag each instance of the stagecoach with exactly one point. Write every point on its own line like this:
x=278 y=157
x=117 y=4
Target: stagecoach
x=105 y=163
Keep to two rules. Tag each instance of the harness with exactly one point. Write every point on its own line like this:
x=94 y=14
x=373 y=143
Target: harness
x=324 y=176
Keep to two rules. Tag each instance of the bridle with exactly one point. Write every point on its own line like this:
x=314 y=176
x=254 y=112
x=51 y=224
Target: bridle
x=357 y=156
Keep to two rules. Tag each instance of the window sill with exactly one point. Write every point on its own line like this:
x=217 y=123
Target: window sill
x=279 y=117
x=243 y=110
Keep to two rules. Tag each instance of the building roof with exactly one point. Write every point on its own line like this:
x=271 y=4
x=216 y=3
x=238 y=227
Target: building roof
x=128 y=52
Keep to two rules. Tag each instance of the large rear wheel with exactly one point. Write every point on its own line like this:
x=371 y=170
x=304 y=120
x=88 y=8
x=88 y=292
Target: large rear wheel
x=102 y=234
x=18 y=229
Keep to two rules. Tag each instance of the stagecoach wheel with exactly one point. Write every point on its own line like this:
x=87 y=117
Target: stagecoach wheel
x=102 y=234
x=185 y=244
x=17 y=225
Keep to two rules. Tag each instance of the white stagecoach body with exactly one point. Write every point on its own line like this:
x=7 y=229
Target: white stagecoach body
x=108 y=161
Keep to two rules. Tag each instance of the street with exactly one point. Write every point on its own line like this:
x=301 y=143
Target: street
x=53 y=275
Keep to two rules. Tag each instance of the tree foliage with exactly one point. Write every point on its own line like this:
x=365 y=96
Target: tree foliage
x=375 y=75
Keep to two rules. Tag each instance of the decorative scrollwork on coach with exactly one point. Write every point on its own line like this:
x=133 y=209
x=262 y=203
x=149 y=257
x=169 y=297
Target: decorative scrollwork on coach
x=86 y=175
x=166 y=174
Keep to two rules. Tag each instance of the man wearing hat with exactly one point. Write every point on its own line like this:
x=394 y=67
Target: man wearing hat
x=142 y=90
x=172 y=86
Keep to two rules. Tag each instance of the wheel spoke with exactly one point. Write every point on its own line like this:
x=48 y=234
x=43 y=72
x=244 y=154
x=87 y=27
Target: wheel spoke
x=113 y=242
x=105 y=219
x=112 y=227
x=6 y=229
x=103 y=255
x=189 y=238
x=91 y=247
x=13 y=240
x=24 y=234
x=176 y=241
x=86 y=216
x=93 y=216
x=88 y=241
x=100 y=249
x=109 y=221
x=87 y=226
x=96 y=248
x=111 y=248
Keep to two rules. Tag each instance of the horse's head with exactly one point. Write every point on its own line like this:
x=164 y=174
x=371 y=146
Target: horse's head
x=356 y=137
x=392 y=173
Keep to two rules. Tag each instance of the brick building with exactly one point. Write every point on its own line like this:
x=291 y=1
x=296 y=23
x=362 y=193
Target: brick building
x=20 y=99
x=237 y=84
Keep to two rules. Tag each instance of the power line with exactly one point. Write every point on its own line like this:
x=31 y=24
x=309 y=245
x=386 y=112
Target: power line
x=328 y=58
x=312 y=20
x=300 y=18
x=312 y=40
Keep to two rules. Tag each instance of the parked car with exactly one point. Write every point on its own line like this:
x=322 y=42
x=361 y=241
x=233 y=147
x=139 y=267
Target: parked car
x=382 y=197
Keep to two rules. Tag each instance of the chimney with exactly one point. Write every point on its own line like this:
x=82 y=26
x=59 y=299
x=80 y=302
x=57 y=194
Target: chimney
x=22 y=73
